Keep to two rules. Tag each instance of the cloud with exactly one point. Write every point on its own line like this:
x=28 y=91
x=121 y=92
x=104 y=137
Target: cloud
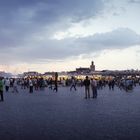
x=119 y=38
x=134 y=1
x=27 y=25
x=20 y=20
x=46 y=49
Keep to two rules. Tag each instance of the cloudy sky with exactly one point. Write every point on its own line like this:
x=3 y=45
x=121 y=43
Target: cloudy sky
x=60 y=35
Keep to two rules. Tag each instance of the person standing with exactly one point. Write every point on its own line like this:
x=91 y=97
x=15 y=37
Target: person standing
x=15 y=86
x=1 y=89
x=50 y=82
x=31 y=86
x=87 y=87
x=112 y=84
x=55 y=82
x=7 y=84
x=36 y=83
x=94 y=88
x=73 y=83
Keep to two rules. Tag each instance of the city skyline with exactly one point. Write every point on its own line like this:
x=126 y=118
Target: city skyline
x=91 y=69
x=51 y=35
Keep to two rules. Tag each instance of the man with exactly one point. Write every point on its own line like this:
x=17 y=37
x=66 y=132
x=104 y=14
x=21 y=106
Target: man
x=55 y=82
x=15 y=86
x=30 y=86
x=94 y=88
x=73 y=83
x=7 y=84
x=87 y=87
x=1 y=89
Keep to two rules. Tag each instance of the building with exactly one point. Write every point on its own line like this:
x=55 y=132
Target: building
x=86 y=70
x=31 y=74
x=92 y=67
x=82 y=70
x=4 y=74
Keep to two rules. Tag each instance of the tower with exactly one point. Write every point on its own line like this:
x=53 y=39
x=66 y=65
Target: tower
x=92 y=66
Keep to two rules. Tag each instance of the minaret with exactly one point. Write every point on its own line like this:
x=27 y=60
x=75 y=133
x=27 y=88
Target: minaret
x=92 y=66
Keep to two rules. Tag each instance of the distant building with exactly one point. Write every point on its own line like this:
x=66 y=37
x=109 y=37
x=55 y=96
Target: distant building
x=78 y=71
x=49 y=73
x=70 y=73
x=30 y=73
x=82 y=70
x=92 y=67
x=86 y=70
x=4 y=74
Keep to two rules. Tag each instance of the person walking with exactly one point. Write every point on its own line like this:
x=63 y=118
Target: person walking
x=87 y=87
x=73 y=83
x=1 y=89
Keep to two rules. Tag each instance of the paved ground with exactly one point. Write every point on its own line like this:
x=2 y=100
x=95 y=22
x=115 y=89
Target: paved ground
x=66 y=115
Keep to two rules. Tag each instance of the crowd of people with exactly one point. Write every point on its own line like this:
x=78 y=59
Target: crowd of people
x=91 y=84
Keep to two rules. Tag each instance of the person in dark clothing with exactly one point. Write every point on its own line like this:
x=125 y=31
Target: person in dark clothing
x=50 y=83
x=87 y=87
x=55 y=82
x=73 y=83
x=1 y=89
x=30 y=86
x=112 y=84
x=109 y=85
x=7 y=84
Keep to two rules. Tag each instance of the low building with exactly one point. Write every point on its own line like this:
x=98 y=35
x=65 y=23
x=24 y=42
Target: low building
x=82 y=70
x=86 y=70
x=5 y=74
x=31 y=74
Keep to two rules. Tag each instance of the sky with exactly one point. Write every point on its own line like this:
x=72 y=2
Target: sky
x=61 y=35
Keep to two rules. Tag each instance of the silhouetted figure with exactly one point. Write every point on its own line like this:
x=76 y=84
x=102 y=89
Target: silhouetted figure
x=36 y=83
x=87 y=87
x=50 y=83
x=73 y=83
x=112 y=84
x=42 y=84
x=7 y=84
x=15 y=86
x=30 y=86
x=109 y=85
x=94 y=88
x=55 y=82
x=1 y=89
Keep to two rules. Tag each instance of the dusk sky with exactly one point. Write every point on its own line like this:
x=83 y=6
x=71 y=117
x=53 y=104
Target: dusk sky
x=60 y=35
